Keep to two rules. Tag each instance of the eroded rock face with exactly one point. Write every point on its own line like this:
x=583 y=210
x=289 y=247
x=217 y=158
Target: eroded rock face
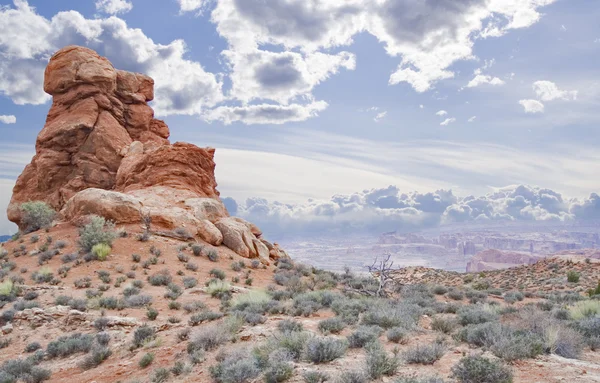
x=102 y=152
x=96 y=114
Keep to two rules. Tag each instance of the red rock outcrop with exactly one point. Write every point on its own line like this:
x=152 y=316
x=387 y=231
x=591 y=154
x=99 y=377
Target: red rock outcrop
x=498 y=259
x=102 y=152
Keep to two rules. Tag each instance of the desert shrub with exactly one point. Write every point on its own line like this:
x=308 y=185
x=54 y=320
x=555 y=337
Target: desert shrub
x=103 y=338
x=517 y=345
x=315 y=376
x=397 y=335
x=212 y=255
x=23 y=370
x=477 y=369
x=33 y=346
x=379 y=362
x=101 y=251
x=95 y=358
x=439 y=290
x=173 y=291
x=481 y=284
x=36 y=215
x=204 y=316
x=189 y=282
x=573 y=276
x=208 y=338
x=83 y=283
x=217 y=273
x=67 y=258
x=143 y=335
x=195 y=306
x=97 y=231
x=191 y=266
x=111 y=303
x=146 y=360
x=513 y=296
x=69 y=345
x=104 y=276
x=424 y=354
x=584 y=309
x=352 y=376
x=429 y=379
x=152 y=313
x=279 y=371
x=387 y=314
x=236 y=367
x=294 y=343
x=162 y=278
x=182 y=257
x=289 y=325
x=101 y=323
x=563 y=341
x=174 y=305
x=160 y=375
x=363 y=335
x=444 y=325
x=332 y=325
x=197 y=250
x=217 y=288
x=474 y=315
x=323 y=350
x=43 y=275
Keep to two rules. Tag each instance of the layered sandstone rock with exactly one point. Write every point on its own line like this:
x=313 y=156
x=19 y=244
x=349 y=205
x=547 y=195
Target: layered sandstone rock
x=102 y=152
x=498 y=259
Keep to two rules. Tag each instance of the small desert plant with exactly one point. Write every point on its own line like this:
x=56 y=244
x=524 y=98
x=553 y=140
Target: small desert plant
x=477 y=369
x=101 y=251
x=585 y=309
x=573 y=276
x=379 y=362
x=397 y=335
x=36 y=215
x=152 y=313
x=323 y=350
x=162 y=278
x=69 y=345
x=217 y=288
x=146 y=360
x=424 y=354
x=97 y=231
x=143 y=335
x=289 y=325
x=315 y=377
x=332 y=325
x=96 y=357
x=212 y=255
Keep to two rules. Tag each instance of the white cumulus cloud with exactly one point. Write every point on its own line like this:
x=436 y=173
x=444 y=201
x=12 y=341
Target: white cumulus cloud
x=441 y=113
x=448 y=121
x=8 y=119
x=472 y=119
x=548 y=91
x=113 y=7
x=532 y=106
x=380 y=116
x=481 y=79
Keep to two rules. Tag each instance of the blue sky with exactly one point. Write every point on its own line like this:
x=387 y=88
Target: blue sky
x=308 y=99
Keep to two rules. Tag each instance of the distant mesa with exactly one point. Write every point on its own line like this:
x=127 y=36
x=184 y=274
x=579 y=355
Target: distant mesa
x=102 y=152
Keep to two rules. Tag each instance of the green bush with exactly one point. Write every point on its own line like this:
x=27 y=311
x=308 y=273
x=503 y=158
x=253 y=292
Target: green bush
x=424 y=354
x=95 y=358
x=69 y=345
x=143 y=335
x=477 y=369
x=97 y=231
x=323 y=350
x=36 y=215
x=146 y=360
x=573 y=276
x=332 y=325
x=397 y=335
x=315 y=377
x=101 y=251
x=379 y=362
x=363 y=336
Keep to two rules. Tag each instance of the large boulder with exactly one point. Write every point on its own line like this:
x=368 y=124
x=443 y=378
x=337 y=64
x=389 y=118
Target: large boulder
x=102 y=152
x=114 y=206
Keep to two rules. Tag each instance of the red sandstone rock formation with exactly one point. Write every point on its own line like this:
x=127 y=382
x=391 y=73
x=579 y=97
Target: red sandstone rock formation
x=102 y=152
x=499 y=259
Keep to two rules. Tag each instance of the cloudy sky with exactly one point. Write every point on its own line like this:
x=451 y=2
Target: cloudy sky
x=309 y=99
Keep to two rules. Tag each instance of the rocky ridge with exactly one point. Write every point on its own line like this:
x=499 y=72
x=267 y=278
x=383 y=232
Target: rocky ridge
x=102 y=152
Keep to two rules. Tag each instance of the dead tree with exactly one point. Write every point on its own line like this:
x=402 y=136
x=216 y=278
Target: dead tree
x=382 y=271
